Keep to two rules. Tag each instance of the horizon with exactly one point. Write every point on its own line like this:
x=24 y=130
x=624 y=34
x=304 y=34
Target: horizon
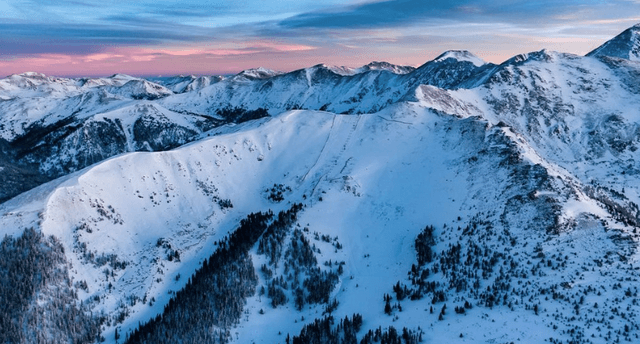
x=150 y=76
x=146 y=39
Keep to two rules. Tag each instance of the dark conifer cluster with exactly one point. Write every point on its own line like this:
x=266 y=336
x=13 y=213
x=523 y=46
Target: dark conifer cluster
x=276 y=192
x=301 y=278
x=271 y=243
x=239 y=114
x=37 y=301
x=322 y=331
x=300 y=254
x=423 y=244
x=392 y=336
x=460 y=269
x=171 y=253
x=213 y=299
x=319 y=285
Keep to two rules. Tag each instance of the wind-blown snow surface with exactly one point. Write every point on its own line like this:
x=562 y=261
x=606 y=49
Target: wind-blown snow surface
x=527 y=170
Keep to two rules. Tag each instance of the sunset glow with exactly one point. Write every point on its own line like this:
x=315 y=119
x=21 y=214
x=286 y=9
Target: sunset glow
x=89 y=38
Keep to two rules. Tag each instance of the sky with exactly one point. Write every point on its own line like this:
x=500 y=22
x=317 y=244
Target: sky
x=162 y=37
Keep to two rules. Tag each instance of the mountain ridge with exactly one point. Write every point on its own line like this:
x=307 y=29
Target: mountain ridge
x=626 y=45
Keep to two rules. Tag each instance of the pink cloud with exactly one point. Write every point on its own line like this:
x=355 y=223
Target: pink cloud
x=189 y=52
x=228 y=49
x=219 y=59
x=101 y=57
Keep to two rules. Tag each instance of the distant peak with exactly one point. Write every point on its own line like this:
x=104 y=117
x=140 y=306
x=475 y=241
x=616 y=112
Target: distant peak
x=383 y=65
x=32 y=75
x=626 y=45
x=121 y=76
x=259 y=69
x=379 y=64
x=372 y=66
x=182 y=77
x=462 y=56
x=340 y=70
x=259 y=73
x=541 y=55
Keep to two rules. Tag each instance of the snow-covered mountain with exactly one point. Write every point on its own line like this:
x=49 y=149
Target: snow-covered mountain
x=180 y=84
x=375 y=65
x=321 y=87
x=54 y=126
x=625 y=45
x=459 y=202
x=461 y=55
x=381 y=65
x=256 y=73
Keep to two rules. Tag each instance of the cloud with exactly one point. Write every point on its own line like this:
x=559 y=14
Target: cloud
x=100 y=57
x=27 y=39
x=397 y=13
x=374 y=15
x=79 y=28
x=244 y=48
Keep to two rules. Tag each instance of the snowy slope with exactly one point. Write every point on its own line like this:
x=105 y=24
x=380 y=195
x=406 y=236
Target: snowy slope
x=382 y=65
x=381 y=178
x=180 y=84
x=375 y=65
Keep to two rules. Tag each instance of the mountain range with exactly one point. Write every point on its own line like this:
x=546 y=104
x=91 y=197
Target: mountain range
x=460 y=201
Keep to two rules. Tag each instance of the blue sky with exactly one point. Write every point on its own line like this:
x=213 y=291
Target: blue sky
x=90 y=37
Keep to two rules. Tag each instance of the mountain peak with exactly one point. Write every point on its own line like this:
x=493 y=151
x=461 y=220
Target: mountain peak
x=32 y=75
x=340 y=70
x=382 y=65
x=541 y=55
x=258 y=73
x=372 y=66
x=626 y=45
x=462 y=56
